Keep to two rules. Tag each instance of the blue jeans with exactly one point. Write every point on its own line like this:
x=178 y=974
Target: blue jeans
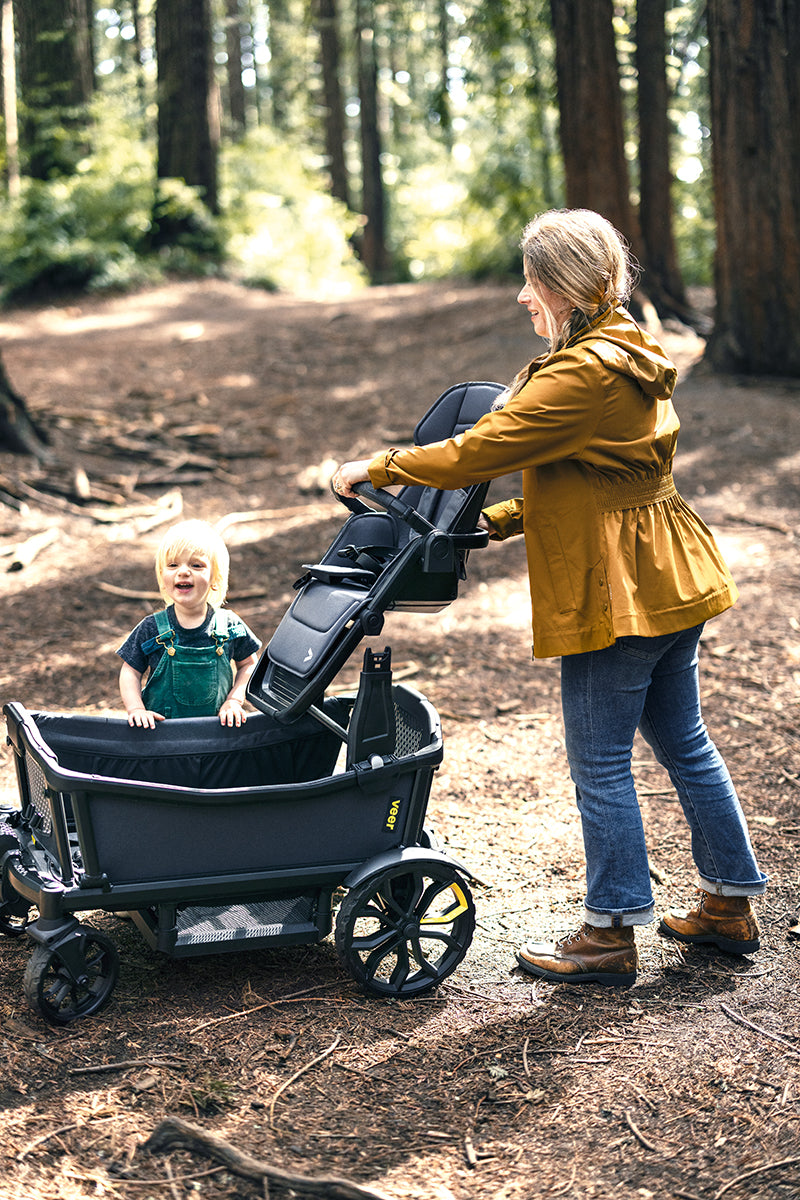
x=650 y=684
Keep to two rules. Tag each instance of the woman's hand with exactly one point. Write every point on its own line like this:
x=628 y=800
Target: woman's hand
x=350 y=473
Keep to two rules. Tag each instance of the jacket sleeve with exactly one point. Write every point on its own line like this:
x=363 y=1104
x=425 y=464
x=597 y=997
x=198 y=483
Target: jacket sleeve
x=550 y=419
x=506 y=518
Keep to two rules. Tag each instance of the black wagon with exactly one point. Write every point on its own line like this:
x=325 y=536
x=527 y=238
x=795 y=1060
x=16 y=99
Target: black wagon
x=215 y=839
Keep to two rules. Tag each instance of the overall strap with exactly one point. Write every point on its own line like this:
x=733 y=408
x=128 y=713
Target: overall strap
x=220 y=629
x=165 y=635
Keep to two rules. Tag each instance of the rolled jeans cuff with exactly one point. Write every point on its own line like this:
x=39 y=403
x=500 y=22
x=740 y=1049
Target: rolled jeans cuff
x=643 y=916
x=714 y=888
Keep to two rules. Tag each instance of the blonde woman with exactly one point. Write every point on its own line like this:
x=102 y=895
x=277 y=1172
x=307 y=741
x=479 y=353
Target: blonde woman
x=623 y=575
x=198 y=656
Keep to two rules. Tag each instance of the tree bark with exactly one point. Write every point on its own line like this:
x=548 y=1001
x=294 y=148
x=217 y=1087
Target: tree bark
x=237 y=118
x=373 y=250
x=19 y=433
x=10 y=126
x=755 y=101
x=590 y=109
x=662 y=281
x=330 y=62
x=56 y=82
x=187 y=127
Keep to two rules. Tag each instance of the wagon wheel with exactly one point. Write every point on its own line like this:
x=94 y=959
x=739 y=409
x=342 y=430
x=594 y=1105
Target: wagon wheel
x=62 y=993
x=404 y=931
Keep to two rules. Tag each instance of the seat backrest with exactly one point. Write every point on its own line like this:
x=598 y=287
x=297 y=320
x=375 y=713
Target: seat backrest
x=453 y=413
x=332 y=614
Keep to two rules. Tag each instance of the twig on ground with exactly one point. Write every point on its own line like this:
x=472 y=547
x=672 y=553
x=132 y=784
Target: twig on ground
x=54 y=1133
x=174 y=1133
x=245 y=1012
x=123 y=1065
x=757 y=1029
x=637 y=1133
x=525 y=1066
x=302 y=1071
x=772 y=1166
x=469 y=1152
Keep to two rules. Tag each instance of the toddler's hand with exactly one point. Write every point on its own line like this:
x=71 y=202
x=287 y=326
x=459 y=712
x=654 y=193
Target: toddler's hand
x=232 y=713
x=144 y=718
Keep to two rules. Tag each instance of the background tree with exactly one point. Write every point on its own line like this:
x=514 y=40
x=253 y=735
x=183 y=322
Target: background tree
x=590 y=108
x=755 y=102
x=188 y=124
x=235 y=31
x=372 y=242
x=56 y=83
x=19 y=433
x=335 y=130
x=9 y=71
x=663 y=281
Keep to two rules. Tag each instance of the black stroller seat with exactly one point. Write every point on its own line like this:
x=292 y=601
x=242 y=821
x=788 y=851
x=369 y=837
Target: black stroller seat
x=410 y=555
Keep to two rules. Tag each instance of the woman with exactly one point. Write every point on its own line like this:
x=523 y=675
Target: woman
x=623 y=574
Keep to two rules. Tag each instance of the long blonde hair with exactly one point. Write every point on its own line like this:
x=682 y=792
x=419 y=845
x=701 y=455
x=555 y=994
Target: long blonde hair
x=196 y=537
x=581 y=256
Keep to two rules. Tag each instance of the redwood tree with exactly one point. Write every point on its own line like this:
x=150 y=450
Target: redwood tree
x=754 y=50
x=663 y=281
x=188 y=133
x=56 y=74
x=590 y=111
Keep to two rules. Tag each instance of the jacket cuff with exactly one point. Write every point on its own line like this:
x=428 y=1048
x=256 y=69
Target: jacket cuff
x=380 y=469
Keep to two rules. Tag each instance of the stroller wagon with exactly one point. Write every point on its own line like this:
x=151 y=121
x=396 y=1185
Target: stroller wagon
x=215 y=839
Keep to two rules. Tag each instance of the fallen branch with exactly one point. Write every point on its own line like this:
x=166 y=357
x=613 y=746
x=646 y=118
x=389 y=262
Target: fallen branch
x=123 y=1065
x=783 y=1162
x=302 y=1071
x=757 y=1029
x=24 y=554
x=176 y=1134
x=310 y=511
x=637 y=1133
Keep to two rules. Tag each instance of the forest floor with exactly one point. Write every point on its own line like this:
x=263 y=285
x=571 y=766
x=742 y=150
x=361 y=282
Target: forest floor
x=214 y=400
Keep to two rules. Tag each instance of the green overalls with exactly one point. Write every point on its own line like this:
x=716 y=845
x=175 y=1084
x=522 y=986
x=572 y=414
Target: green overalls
x=190 y=681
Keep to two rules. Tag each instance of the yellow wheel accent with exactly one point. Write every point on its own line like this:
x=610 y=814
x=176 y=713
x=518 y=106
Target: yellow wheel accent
x=454 y=911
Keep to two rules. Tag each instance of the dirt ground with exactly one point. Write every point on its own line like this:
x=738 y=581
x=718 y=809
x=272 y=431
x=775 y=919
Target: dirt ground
x=220 y=402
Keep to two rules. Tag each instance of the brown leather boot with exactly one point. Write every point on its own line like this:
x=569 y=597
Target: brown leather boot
x=724 y=921
x=590 y=955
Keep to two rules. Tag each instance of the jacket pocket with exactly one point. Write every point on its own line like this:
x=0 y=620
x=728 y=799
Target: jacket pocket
x=557 y=567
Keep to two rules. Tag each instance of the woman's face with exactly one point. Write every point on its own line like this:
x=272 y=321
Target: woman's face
x=539 y=300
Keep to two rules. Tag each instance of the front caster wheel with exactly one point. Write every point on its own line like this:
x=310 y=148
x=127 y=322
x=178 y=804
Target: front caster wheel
x=404 y=931
x=74 y=980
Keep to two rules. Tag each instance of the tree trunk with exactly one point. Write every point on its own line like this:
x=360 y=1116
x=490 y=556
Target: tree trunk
x=662 y=281
x=590 y=108
x=187 y=136
x=755 y=106
x=282 y=67
x=330 y=61
x=10 y=127
x=233 y=44
x=56 y=79
x=374 y=253
x=19 y=433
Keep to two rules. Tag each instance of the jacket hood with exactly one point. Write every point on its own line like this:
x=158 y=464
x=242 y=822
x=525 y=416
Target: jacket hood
x=625 y=347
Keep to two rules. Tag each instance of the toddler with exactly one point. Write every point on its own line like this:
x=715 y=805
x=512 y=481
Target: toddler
x=198 y=655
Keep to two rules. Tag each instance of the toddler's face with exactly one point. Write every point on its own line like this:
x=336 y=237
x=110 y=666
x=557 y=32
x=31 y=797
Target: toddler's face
x=186 y=579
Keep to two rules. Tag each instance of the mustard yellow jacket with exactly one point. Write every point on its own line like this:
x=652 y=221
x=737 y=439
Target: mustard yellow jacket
x=612 y=549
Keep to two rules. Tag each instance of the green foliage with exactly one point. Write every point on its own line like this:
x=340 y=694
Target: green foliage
x=282 y=229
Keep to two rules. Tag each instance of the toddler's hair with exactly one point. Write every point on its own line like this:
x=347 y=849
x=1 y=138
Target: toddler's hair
x=196 y=537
